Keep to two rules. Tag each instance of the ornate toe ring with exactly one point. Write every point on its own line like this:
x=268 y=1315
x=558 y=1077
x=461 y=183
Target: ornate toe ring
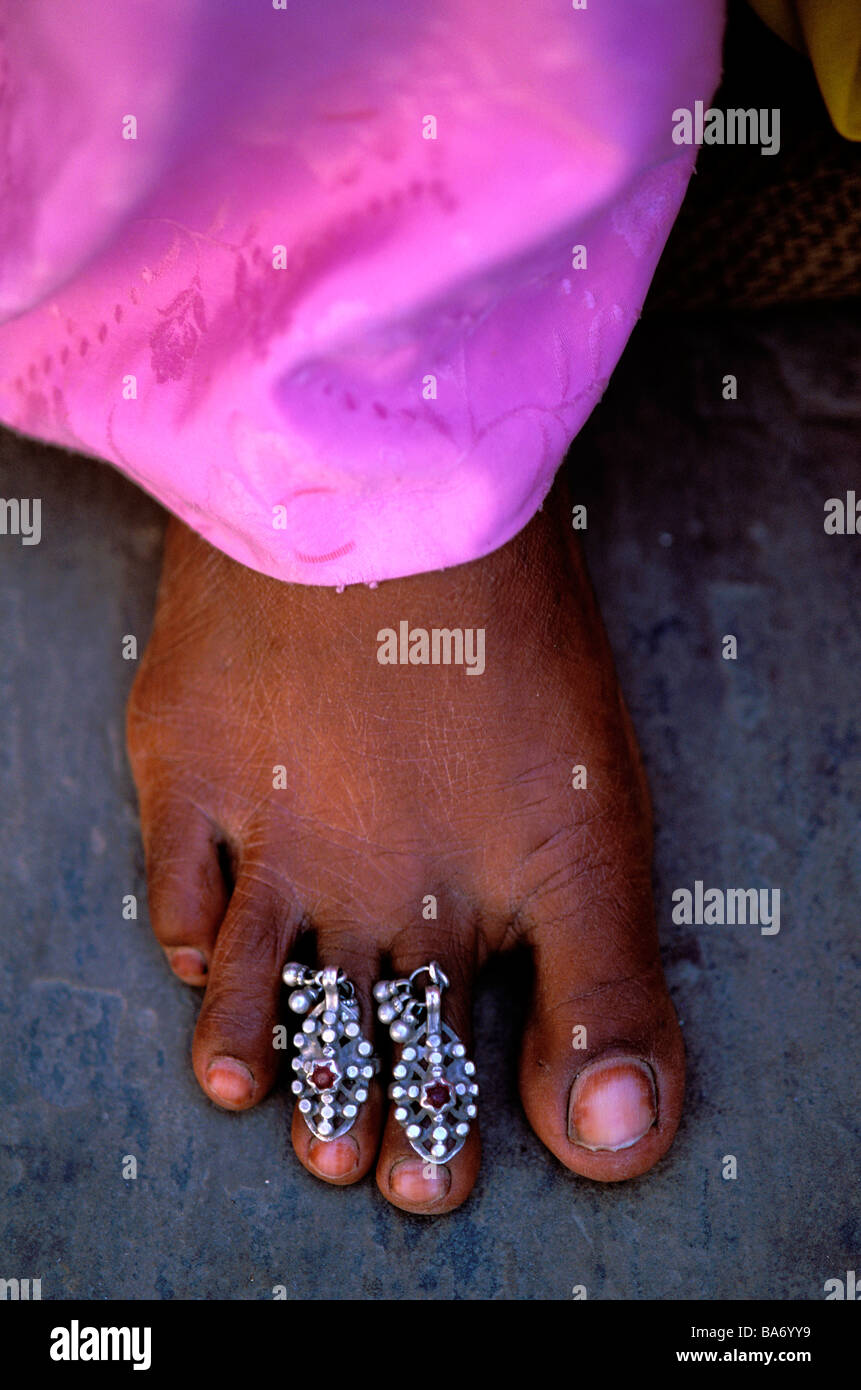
x=335 y=1064
x=434 y=1084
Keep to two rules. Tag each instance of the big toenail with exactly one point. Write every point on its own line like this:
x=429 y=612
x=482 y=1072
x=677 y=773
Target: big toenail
x=230 y=1080
x=419 y=1182
x=613 y=1104
x=187 y=963
x=335 y=1159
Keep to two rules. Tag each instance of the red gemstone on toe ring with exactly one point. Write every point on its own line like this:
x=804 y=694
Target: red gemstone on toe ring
x=436 y=1096
x=324 y=1076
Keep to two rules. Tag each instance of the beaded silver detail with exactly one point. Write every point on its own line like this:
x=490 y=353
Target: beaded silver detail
x=434 y=1086
x=335 y=1064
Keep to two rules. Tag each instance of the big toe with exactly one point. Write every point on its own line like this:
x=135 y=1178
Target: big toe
x=602 y=1069
x=613 y=1103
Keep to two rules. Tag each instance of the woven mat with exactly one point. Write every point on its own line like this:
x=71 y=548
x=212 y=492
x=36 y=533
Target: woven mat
x=761 y=229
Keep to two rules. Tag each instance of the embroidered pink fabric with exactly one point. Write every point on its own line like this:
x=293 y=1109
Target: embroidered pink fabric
x=307 y=273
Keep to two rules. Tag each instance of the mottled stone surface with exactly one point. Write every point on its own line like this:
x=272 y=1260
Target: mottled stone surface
x=705 y=517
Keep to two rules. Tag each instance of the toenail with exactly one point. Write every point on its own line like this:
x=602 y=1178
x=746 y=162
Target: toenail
x=230 y=1080
x=419 y=1182
x=613 y=1104
x=187 y=963
x=335 y=1159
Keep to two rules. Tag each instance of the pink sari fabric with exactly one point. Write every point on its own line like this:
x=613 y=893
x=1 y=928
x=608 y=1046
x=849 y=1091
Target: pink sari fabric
x=307 y=274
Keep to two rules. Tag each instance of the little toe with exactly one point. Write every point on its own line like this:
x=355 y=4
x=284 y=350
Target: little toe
x=186 y=889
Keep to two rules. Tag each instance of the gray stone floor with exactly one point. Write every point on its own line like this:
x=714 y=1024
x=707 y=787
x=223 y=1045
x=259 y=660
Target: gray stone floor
x=705 y=518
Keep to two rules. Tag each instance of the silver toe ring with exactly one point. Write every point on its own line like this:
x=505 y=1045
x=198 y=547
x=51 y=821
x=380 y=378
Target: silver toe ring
x=434 y=1084
x=335 y=1064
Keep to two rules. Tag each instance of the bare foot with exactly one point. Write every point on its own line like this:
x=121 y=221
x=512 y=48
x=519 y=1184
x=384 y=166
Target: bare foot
x=404 y=781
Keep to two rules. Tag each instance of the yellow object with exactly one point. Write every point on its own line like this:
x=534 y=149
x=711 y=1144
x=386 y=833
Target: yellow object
x=829 y=31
